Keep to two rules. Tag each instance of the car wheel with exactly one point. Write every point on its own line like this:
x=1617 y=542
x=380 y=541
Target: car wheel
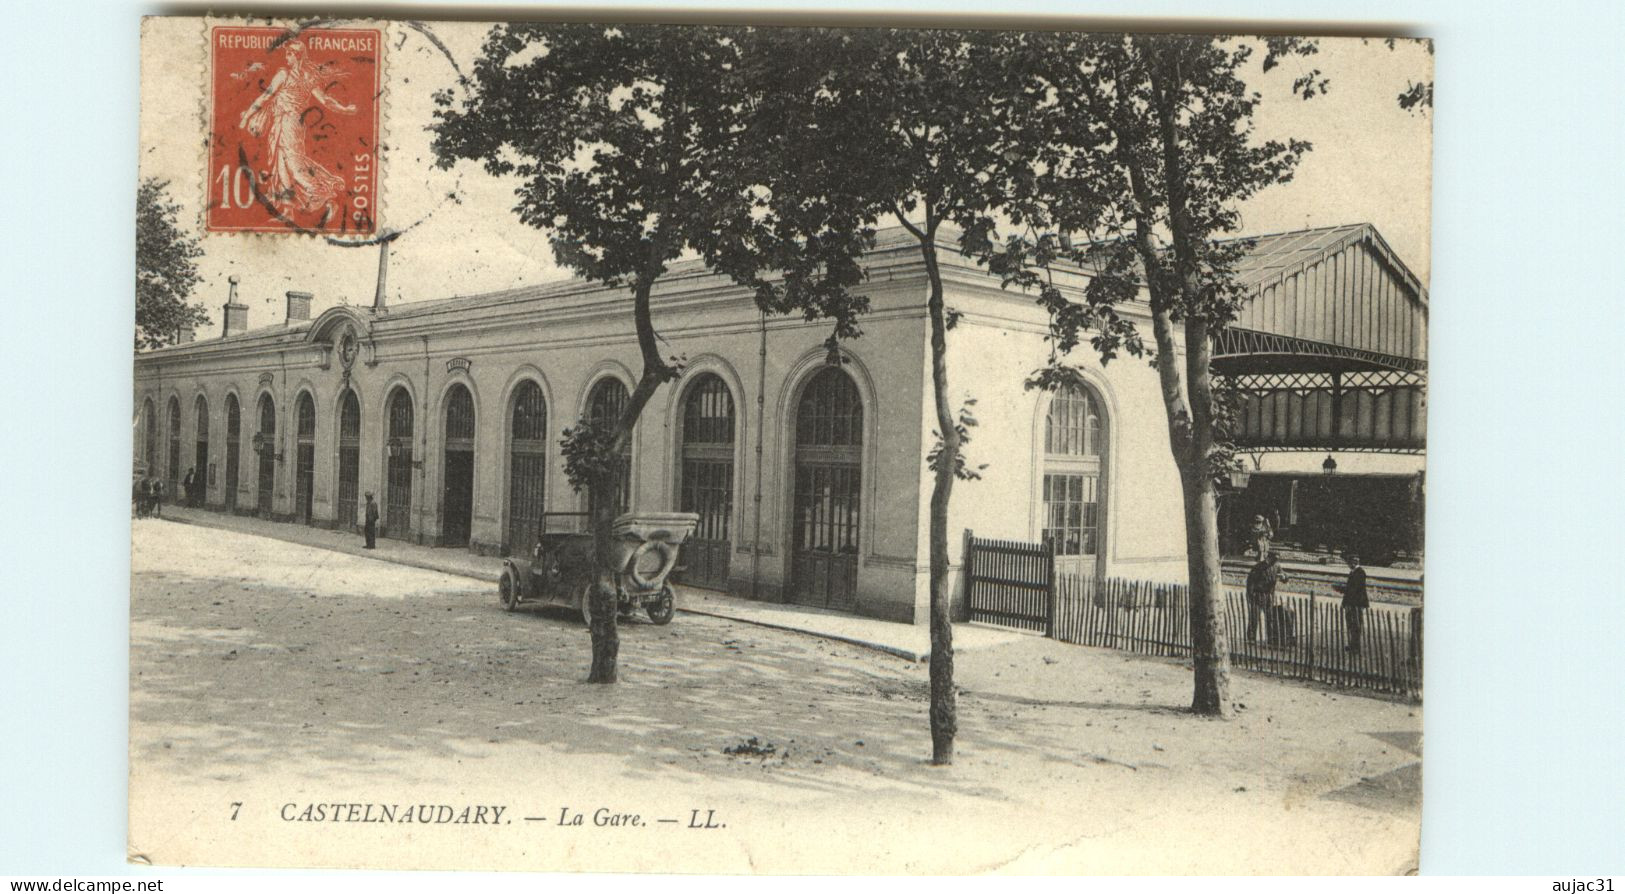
x=507 y=592
x=662 y=609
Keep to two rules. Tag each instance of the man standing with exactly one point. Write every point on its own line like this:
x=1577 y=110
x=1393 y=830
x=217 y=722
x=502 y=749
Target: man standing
x=372 y=522
x=1261 y=581
x=1355 y=602
x=1262 y=533
x=189 y=488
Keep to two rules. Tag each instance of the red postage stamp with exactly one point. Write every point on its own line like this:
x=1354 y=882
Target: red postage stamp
x=293 y=123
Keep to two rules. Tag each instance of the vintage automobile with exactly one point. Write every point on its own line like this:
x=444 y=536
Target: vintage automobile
x=559 y=570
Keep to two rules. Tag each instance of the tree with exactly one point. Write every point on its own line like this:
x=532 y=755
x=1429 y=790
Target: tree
x=853 y=127
x=165 y=272
x=626 y=140
x=1154 y=152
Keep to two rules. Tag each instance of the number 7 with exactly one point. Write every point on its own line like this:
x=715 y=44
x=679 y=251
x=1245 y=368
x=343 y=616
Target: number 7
x=235 y=806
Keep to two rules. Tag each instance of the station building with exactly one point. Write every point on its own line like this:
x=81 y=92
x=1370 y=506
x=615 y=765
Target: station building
x=809 y=477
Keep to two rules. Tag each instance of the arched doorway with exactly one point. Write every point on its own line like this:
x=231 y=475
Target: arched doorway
x=201 y=452
x=173 y=473
x=234 y=443
x=706 y=479
x=398 y=466
x=149 y=437
x=265 y=446
x=828 y=484
x=1074 y=451
x=457 y=495
x=527 y=468
x=304 y=463
x=349 y=460
x=605 y=405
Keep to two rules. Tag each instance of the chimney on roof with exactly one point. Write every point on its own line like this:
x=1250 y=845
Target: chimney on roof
x=185 y=335
x=299 y=306
x=236 y=315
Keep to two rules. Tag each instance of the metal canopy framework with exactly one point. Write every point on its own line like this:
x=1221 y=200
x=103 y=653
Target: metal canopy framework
x=1331 y=353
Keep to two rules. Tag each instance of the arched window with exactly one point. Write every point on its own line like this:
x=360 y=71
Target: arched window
x=1074 y=445
x=398 y=466
x=304 y=464
x=174 y=469
x=349 y=459
x=265 y=445
x=527 y=468
x=234 y=444
x=457 y=493
x=828 y=488
x=706 y=479
x=605 y=405
x=200 y=452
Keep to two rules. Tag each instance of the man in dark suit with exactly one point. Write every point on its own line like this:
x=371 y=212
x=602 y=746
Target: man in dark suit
x=1355 y=602
x=372 y=522
x=1261 y=581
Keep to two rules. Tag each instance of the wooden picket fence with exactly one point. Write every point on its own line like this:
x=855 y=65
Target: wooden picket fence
x=1014 y=584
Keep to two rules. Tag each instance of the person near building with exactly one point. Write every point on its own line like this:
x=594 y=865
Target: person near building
x=189 y=487
x=1355 y=603
x=1261 y=581
x=158 y=497
x=1262 y=533
x=372 y=522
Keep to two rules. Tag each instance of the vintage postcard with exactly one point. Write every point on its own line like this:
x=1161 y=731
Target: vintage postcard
x=742 y=449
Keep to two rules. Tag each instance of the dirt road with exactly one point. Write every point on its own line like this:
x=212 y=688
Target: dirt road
x=269 y=678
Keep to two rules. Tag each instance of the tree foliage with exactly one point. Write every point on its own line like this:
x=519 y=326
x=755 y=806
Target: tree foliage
x=628 y=142
x=1153 y=153
x=165 y=268
x=856 y=128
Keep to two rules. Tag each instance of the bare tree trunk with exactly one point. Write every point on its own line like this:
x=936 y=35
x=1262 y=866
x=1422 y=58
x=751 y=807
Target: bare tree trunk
x=604 y=601
x=1210 y=650
x=606 y=637
x=944 y=709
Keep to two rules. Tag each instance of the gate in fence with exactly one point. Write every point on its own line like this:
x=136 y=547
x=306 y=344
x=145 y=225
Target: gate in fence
x=1010 y=583
x=1015 y=584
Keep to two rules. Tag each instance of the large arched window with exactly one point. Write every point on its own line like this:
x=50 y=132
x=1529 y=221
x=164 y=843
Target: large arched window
x=828 y=487
x=265 y=445
x=527 y=468
x=174 y=458
x=398 y=466
x=304 y=462
x=234 y=444
x=605 y=405
x=349 y=459
x=200 y=452
x=1074 y=446
x=706 y=478
x=457 y=494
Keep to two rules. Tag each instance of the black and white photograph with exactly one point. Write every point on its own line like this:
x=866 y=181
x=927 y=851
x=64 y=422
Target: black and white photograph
x=617 y=447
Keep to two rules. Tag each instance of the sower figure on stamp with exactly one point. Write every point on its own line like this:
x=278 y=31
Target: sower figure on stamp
x=1355 y=602
x=372 y=522
x=1261 y=581
x=298 y=183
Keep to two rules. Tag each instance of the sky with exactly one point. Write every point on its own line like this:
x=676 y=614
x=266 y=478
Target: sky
x=1370 y=163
